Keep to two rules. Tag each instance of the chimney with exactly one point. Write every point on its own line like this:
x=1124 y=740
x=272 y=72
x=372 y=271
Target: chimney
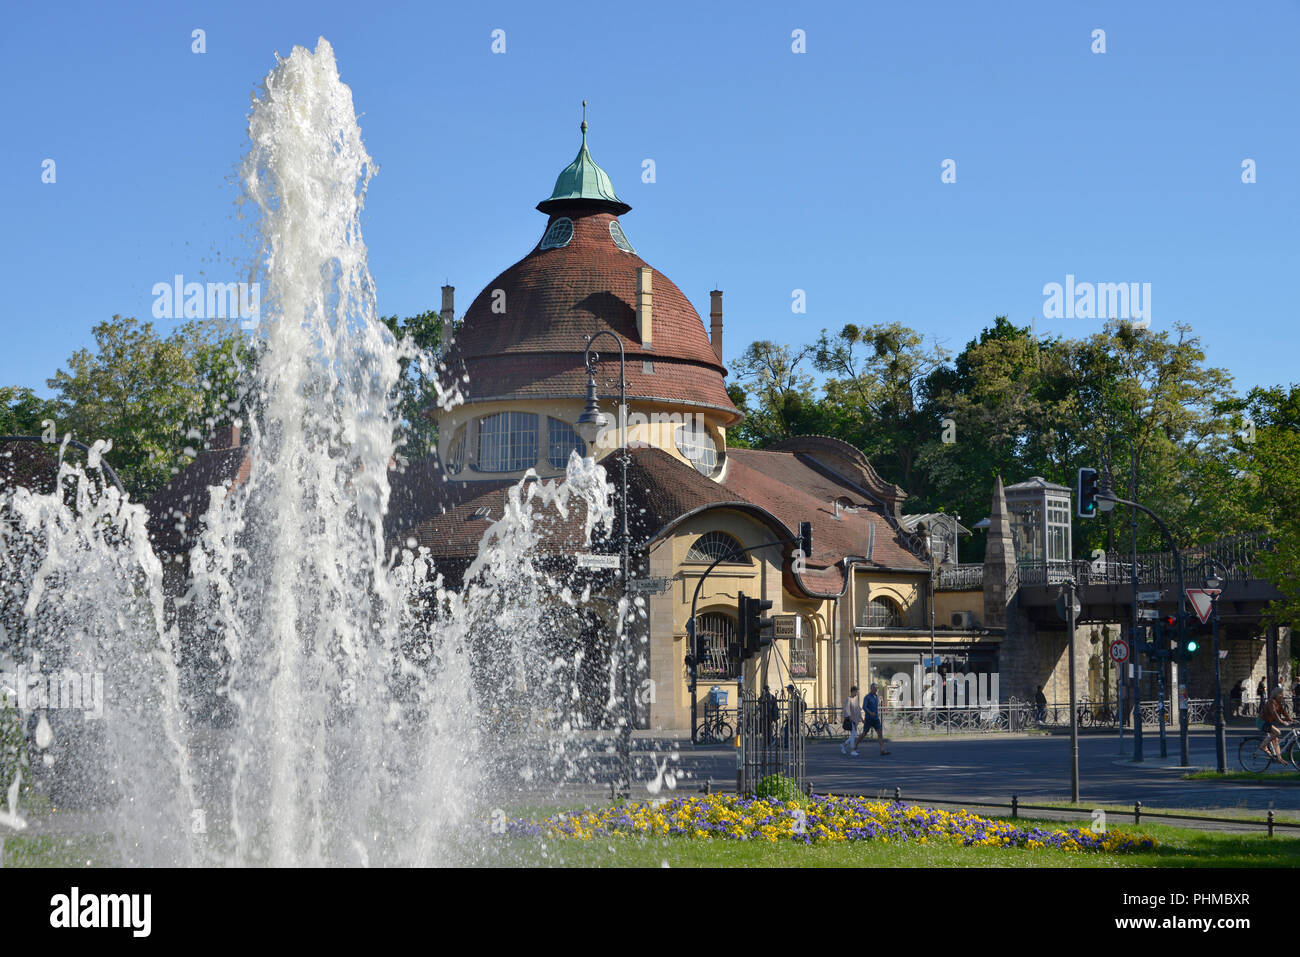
x=224 y=437
x=448 y=315
x=715 y=321
x=644 y=318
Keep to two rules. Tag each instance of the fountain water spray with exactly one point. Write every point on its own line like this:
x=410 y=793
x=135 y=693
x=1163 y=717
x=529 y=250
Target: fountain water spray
x=359 y=687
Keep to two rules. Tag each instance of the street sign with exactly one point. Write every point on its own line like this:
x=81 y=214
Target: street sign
x=653 y=586
x=1145 y=596
x=1119 y=651
x=1063 y=611
x=785 y=626
x=1202 y=600
x=586 y=560
x=1151 y=613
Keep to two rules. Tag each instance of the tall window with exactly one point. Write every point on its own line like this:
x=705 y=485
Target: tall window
x=1058 y=530
x=699 y=447
x=716 y=631
x=881 y=613
x=561 y=439
x=456 y=452
x=507 y=442
x=714 y=545
x=803 y=653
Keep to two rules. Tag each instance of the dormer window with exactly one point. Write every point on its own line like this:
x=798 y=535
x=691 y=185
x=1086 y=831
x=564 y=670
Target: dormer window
x=558 y=233
x=698 y=447
x=620 y=240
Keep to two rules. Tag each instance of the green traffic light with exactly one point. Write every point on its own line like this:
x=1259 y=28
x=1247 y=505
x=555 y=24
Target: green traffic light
x=1192 y=645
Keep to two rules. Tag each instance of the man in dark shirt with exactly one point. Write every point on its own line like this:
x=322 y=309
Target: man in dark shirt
x=871 y=718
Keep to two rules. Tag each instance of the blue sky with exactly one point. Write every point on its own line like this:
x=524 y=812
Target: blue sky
x=775 y=171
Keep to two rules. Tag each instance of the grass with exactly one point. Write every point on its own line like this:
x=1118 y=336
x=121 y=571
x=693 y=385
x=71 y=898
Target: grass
x=1283 y=778
x=1178 y=848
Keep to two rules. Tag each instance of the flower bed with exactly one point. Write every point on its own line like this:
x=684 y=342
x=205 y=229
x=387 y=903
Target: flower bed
x=821 y=820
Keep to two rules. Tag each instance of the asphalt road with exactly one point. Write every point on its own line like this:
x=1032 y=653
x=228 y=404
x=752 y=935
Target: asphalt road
x=1035 y=768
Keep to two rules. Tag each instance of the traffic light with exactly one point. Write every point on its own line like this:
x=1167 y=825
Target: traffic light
x=755 y=630
x=1087 y=492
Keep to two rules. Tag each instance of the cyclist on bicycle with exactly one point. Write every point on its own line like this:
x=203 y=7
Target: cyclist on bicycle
x=1271 y=720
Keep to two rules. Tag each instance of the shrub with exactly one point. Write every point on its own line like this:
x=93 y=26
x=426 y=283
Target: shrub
x=781 y=788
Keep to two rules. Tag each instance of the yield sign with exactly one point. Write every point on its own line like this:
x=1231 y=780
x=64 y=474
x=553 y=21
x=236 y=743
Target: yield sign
x=1202 y=600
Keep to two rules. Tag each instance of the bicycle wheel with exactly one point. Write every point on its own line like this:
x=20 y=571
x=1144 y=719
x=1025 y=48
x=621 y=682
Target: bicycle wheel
x=1291 y=750
x=1251 y=756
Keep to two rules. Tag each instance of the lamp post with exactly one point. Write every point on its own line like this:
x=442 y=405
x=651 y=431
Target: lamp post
x=591 y=425
x=1214 y=579
x=108 y=469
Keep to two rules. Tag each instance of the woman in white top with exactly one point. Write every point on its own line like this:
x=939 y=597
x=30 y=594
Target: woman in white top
x=851 y=721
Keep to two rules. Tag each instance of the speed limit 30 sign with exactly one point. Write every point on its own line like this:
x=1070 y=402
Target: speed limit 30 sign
x=1119 y=651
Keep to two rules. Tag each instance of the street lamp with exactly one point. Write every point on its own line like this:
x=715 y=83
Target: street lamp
x=591 y=425
x=1214 y=579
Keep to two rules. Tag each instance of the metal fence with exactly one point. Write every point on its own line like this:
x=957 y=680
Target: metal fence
x=772 y=739
x=720 y=726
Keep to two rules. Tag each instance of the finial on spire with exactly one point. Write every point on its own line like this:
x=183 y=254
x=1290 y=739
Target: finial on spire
x=584 y=121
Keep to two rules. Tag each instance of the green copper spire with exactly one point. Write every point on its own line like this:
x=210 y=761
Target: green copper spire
x=583 y=181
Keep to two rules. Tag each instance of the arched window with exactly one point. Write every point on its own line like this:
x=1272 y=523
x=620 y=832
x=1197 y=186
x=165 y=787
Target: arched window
x=558 y=233
x=716 y=632
x=561 y=439
x=882 y=613
x=699 y=447
x=507 y=442
x=456 y=452
x=711 y=546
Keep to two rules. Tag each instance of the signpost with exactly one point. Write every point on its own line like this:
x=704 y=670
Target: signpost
x=652 y=586
x=786 y=626
x=587 y=560
x=1149 y=596
x=1202 y=601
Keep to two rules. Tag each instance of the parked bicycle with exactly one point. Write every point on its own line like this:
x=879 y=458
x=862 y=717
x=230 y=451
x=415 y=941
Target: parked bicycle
x=821 y=726
x=715 y=729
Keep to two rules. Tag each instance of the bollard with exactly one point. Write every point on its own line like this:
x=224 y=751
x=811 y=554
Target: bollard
x=1015 y=805
x=898 y=795
x=1270 y=822
x=1137 y=812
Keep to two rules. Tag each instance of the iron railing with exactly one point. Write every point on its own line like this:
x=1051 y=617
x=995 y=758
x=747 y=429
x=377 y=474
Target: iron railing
x=772 y=739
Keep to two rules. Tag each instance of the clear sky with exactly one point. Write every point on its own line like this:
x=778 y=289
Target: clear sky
x=775 y=170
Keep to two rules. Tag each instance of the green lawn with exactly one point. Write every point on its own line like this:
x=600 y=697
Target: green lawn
x=1177 y=847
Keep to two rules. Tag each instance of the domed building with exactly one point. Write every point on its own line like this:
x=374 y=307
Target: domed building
x=518 y=358
x=522 y=343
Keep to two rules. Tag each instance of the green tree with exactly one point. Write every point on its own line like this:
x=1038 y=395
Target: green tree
x=1267 y=474
x=418 y=395
x=23 y=412
x=878 y=398
x=783 y=404
x=156 y=399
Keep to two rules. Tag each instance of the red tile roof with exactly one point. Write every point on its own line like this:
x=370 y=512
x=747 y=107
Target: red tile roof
x=554 y=298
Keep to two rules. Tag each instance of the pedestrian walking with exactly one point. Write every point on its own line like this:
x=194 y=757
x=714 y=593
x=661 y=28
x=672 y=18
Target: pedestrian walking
x=1040 y=705
x=871 y=718
x=852 y=720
